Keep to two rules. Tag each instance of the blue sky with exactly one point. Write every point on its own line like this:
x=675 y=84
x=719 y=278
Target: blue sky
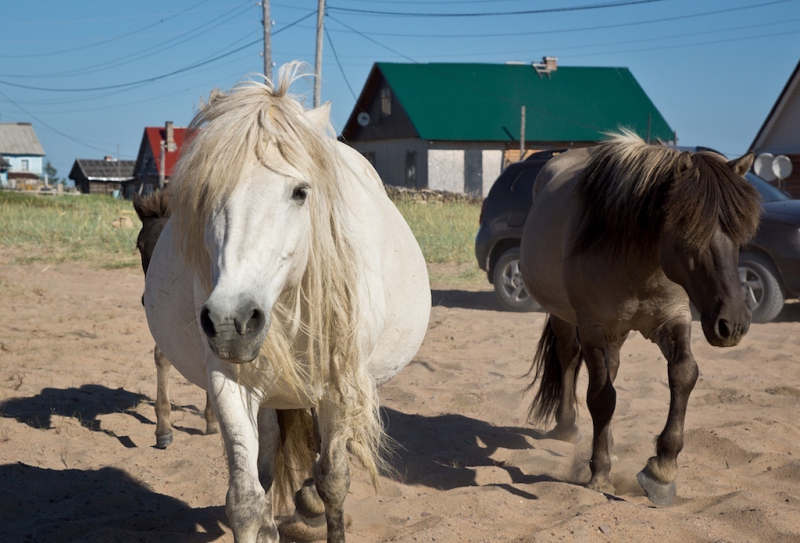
x=89 y=75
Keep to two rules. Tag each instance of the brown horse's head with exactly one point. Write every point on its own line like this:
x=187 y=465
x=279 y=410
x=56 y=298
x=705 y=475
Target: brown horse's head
x=709 y=213
x=153 y=211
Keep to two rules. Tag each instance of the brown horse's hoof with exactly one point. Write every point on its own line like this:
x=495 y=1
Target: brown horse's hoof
x=162 y=442
x=212 y=428
x=659 y=493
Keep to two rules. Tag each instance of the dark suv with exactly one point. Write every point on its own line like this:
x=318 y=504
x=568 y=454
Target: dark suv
x=769 y=267
x=503 y=215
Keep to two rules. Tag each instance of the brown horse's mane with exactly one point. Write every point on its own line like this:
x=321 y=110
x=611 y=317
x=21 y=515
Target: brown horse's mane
x=153 y=206
x=631 y=190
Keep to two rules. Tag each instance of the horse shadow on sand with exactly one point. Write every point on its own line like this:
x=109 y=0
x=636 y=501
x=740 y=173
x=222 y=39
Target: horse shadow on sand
x=442 y=451
x=84 y=404
x=45 y=505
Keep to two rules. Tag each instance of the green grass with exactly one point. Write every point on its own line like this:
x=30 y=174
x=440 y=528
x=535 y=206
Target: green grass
x=79 y=228
x=445 y=231
x=68 y=228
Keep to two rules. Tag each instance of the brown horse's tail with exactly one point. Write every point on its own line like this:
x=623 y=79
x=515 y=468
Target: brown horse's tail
x=296 y=453
x=546 y=369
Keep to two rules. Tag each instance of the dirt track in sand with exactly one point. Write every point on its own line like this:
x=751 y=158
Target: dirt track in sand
x=77 y=463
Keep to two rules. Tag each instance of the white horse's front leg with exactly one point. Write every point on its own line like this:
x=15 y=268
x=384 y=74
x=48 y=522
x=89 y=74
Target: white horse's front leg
x=247 y=504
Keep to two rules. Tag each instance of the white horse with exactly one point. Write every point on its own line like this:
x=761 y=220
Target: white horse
x=296 y=284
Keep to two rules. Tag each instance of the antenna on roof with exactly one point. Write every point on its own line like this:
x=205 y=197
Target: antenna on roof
x=547 y=66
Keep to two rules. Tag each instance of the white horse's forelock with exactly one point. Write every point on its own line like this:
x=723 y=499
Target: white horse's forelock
x=313 y=343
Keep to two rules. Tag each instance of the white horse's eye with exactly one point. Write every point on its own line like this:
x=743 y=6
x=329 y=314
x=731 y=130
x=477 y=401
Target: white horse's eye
x=300 y=193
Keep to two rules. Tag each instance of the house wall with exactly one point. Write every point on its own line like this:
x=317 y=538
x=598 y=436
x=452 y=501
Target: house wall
x=34 y=163
x=390 y=160
x=464 y=166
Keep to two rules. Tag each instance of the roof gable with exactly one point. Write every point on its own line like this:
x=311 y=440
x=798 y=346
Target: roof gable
x=482 y=102
x=102 y=170
x=779 y=132
x=19 y=139
x=151 y=147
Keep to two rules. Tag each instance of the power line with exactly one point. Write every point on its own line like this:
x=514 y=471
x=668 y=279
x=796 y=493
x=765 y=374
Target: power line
x=155 y=78
x=559 y=49
x=370 y=39
x=494 y=13
x=344 y=75
x=578 y=29
x=115 y=38
x=56 y=130
x=121 y=61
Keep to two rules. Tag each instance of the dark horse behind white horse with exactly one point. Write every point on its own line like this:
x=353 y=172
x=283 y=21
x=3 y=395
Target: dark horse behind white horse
x=622 y=237
x=153 y=211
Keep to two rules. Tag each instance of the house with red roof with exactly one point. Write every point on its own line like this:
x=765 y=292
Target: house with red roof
x=158 y=154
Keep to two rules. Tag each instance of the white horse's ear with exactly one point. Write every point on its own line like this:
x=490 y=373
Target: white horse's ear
x=319 y=117
x=741 y=165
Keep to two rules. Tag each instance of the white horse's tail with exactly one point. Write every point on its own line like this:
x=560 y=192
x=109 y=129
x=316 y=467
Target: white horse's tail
x=296 y=454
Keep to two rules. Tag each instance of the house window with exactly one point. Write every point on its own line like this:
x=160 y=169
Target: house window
x=24 y=165
x=386 y=102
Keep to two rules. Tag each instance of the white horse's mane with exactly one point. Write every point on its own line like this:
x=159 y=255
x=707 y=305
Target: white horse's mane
x=313 y=343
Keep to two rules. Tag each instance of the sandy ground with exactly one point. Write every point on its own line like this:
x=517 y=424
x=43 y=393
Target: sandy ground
x=77 y=462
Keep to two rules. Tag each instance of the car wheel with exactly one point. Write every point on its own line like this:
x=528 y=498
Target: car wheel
x=760 y=287
x=508 y=283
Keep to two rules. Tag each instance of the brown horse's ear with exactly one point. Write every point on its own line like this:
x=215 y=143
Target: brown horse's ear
x=685 y=161
x=137 y=205
x=742 y=165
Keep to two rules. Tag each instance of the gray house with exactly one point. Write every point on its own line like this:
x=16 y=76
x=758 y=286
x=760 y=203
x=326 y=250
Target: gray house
x=780 y=133
x=107 y=176
x=22 y=151
x=454 y=127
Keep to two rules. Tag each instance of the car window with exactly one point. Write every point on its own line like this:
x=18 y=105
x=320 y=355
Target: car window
x=768 y=192
x=523 y=184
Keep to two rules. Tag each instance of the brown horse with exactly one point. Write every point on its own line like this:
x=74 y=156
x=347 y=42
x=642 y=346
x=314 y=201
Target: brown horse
x=153 y=211
x=622 y=237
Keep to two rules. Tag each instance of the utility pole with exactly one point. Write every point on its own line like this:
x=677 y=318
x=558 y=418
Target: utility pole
x=522 y=134
x=267 y=37
x=318 y=59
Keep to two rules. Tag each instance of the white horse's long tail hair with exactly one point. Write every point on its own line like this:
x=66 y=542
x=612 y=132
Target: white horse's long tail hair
x=315 y=340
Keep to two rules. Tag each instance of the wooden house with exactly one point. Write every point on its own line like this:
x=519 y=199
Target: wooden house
x=158 y=154
x=454 y=127
x=22 y=151
x=106 y=176
x=780 y=133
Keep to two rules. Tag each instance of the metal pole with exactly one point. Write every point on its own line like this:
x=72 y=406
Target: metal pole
x=267 y=43
x=318 y=59
x=522 y=134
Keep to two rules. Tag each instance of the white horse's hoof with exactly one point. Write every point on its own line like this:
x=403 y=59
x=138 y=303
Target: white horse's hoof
x=659 y=493
x=163 y=441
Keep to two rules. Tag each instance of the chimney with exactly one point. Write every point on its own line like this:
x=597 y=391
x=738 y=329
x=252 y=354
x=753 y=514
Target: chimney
x=169 y=136
x=546 y=67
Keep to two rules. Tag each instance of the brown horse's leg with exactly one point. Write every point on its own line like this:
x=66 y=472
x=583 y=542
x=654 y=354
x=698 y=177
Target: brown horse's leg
x=269 y=435
x=568 y=350
x=601 y=399
x=163 y=426
x=659 y=475
x=212 y=425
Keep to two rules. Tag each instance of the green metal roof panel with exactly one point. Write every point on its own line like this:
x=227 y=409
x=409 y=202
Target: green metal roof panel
x=481 y=102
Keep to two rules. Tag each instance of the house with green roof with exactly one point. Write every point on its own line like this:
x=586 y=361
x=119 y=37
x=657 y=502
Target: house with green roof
x=454 y=127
